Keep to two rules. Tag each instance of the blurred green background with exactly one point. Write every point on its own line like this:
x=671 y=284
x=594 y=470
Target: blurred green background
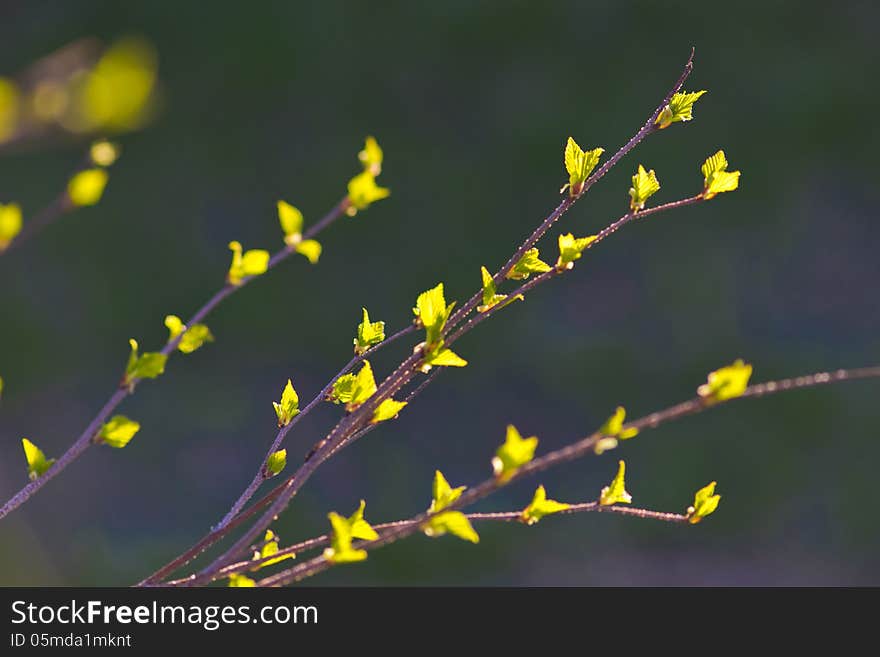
x=472 y=102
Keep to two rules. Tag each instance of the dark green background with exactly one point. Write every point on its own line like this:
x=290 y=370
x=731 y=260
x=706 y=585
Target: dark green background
x=473 y=103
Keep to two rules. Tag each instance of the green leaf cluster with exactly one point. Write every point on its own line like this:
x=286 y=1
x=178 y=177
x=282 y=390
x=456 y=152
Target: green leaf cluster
x=288 y=407
x=613 y=430
x=345 y=530
x=432 y=313
x=540 y=506
x=269 y=548
x=716 y=178
x=368 y=334
x=148 y=365
x=529 y=264
x=452 y=522
x=291 y=220
x=615 y=492
x=193 y=337
x=705 y=503
x=37 y=462
x=571 y=248
x=513 y=454
x=644 y=185
x=680 y=108
x=726 y=383
x=579 y=164
x=246 y=264
x=354 y=389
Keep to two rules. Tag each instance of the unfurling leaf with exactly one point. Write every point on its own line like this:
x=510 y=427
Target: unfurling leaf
x=432 y=312
x=237 y=580
x=104 y=153
x=148 y=365
x=270 y=547
x=540 y=506
x=579 y=164
x=513 y=454
x=247 y=264
x=615 y=492
x=443 y=494
x=340 y=550
x=288 y=407
x=613 y=430
x=716 y=177
x=118 y=432
x=310 y=249
x=362 y=387
x=193 y=337
x=644 y=185
x=342 y=389
x=529 y=264
x=36 y=461
x=368 y=333
x=363 y=191
x=276 y=462
x=726 y=383
x=452 y=522
x=387 y=410
x=291 y=220
x=371 y=156
x=680 y=108
x=571 y=248
x=489 y=297
x=442 y=357
x=360 y=528
x=87 y=187
x=10 y=224
x=705 y=503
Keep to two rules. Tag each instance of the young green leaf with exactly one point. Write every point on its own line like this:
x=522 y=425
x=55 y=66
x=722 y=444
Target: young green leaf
x=311 y=249
x=1 y=386
x=442 y=357
x=193 y=337
x=104 y=153
x=87 y=187
x=343 y=389
x=387 y=410
x=247 y=264
x=118 y=431
x=571 y=248
x=432 y=312
x=513 y=454
x=36 y=461
x=705 y=503
x=716 y=177
x=276 y=462
x=579 y=164
x=529 y=264
x=452 y=522
x=10 y=224
x=363 y=387
x=443 y=493
x=360 y=528
x=615 y=492
x=490 y=298
x=363 y=191
x=726 y=383
x=270 y=547
x=288 y=407
x=371 y=156
x=368 y=334
x=680 y=108
x=237 y=580
x=540 y=506
x=613 y=430
x=148 y=365
x=291 y=220
x=340 y=550
x=644 y=185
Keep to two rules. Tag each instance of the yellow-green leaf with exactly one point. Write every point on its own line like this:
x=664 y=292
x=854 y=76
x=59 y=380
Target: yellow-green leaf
x=193 y=338
x=452 y=522
x=368 y=334
x=490 y=298
x=148 y=365
x=87 y=187
x=432 y=311
x=443 y=493
x=340 y=550
x=644 y=185
x=571 y=248
x=36 y=461
x=1 y=386
x=579 y=164
x=540 y=506
x=237 y=580
x=716 y=177
x=387 y=410
x=363 y=387
x=10 y=223
x=371 y=156
x=118 y=431
x=360 y=528
x=363 y=191
x=680 y=108
x=276 y=462
x=615 y=492
x=705 y=503
x=529 y=264
x=288 y=407
x=311 y=249
x=244 y=265
x=343 y=389
x=726 y=383
x=442 y=357
x=513 y=454
x=291 y=220
x=104 y=153
x=270 y=547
